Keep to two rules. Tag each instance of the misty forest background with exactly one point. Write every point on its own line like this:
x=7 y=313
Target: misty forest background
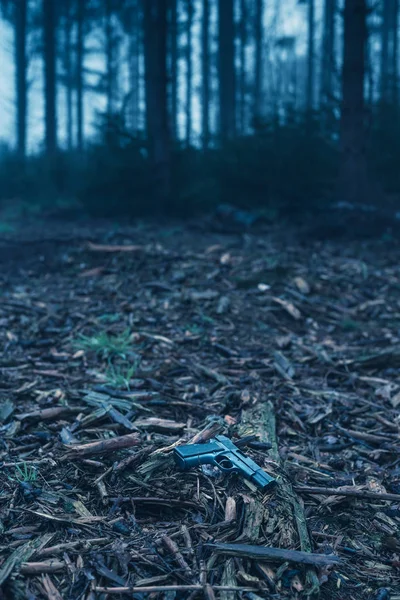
x=175 y=106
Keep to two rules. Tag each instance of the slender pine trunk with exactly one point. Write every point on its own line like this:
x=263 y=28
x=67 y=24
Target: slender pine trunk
x=395 y=51
x=226 y=64
x=310 y=59
x=68 y=72
x=205 y=74
x=49 y=34
x=189 y=71
x=354 y=183
x=80 y=50
x=21 y=68
x=258 y=78
x=155 y=44
x=134 y=72
x=243 y=65
x=109 y=58
x=328 y=54
x=174 y=67
x=385 y=63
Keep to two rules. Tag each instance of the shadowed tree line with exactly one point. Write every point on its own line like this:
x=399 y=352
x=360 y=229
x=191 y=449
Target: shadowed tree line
x=205 y=101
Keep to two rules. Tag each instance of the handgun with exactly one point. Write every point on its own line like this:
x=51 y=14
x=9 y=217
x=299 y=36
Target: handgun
x=222 y=453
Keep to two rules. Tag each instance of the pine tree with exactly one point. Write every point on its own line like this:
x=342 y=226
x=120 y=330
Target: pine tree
x=226 y=68
x=354 y=183
x=155 y=45
x=49 y=34
x=205 y=74
x=21 y=13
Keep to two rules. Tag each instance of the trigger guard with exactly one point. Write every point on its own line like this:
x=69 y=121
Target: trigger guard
x=229 y=467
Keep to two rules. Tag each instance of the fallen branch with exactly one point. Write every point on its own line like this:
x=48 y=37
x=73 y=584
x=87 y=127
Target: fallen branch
x=48 y=566
x=275 y=554
x=362 y=494
x=261 y=421
x=101 y=447
x=169 y=588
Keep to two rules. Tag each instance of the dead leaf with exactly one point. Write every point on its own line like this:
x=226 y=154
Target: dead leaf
x=289 y=307
x=302 y=285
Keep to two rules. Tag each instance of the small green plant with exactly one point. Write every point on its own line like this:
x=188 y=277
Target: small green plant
x=194 y=329
x=107 y=346
x=27 y=473
x=120 y=376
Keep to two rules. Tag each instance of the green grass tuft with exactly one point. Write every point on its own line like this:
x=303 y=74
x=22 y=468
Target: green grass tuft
x=120 y=376
x=105 y=345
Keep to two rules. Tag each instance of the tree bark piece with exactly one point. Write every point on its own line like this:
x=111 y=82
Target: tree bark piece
x=261 y=421
x=102 y=447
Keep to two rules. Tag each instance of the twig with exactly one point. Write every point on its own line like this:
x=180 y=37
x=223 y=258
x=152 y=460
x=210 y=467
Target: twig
x=174 y=550
x=47 y=414
x=169 y=588
x=275 y=554
x=49 y=566
x=102 y=447
x=364 y=495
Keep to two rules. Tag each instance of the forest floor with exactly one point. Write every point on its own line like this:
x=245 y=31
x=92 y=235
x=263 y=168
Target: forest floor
x=120 y=343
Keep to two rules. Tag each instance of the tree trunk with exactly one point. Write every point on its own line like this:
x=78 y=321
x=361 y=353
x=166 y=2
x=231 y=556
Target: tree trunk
x=258 y=79
x=354 y=185
x=174 y=67
x=134 y=71
x=49 y=20
x=205 y=74
x=385 y=63
x=80 y=18
x=68 y=72
x=243 y=66
x=226 y=67
x=189 y=70
x=155 y=42
x=109 y=58
x=21 y=68
x=328 y=54
x=395 y=53
x=310 y=58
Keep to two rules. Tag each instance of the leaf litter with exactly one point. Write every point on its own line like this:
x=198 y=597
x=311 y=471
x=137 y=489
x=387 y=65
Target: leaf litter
x=118 y=347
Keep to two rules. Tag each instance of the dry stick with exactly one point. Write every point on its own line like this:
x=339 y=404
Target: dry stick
x=174 y=550
x=150 y=500
x=101 y=447
x=364 y=495
x=47 y=414
x=367 y=437
x=268 y=553
x=274 y=554
x=50 y=588
x=207 y=433
x=261 y=420
x=60 y=548
x=50 y=566
x=169 y=588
